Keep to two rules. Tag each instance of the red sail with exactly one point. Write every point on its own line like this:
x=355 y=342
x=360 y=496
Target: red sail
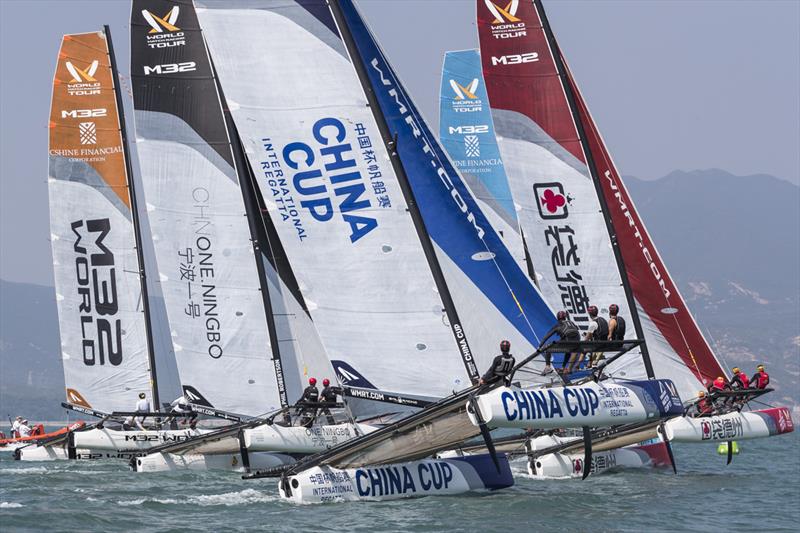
x=533 y=109
x=652 y=286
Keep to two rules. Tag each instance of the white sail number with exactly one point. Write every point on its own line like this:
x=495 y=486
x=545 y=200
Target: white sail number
x=170 y=68
x=516 y=59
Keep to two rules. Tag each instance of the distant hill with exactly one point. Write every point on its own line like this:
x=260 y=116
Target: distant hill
x=732 y=243
x=31 y=377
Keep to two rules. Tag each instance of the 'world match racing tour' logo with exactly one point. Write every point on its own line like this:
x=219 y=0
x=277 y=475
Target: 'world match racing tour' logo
x=506 y=23
x=83 y=82
x=466 y=99
x=164 y=32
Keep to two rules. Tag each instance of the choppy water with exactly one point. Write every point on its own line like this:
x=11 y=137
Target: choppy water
x=705 y=495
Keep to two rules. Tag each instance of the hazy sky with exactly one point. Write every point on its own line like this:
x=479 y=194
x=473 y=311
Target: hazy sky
x=672 y=84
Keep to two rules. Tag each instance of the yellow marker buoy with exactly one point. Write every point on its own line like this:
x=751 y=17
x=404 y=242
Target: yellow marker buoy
x=722 y=449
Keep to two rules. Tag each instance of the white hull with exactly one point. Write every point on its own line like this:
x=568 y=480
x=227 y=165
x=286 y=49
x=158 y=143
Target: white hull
x=294 y=439
x=591 y=404
x=13 y=446
x=168 y=462
x=731 y=426
x=267 y=447
x=566 y=465
x=324 y=484
x=60 y=453
x=130 y=441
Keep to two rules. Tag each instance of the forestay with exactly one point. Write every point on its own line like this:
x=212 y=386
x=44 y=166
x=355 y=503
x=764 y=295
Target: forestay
x=104 y=344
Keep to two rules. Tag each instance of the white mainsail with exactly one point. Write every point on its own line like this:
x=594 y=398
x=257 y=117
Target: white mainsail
x=104 y=343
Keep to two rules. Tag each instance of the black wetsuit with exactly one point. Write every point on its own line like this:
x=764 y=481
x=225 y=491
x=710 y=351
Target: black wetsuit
x=567 y=331
x=500 y=368
x=328 y=397
x=308 y=413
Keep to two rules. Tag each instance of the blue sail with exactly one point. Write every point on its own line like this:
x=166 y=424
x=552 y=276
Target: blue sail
x=466 y=131
x=453 y=219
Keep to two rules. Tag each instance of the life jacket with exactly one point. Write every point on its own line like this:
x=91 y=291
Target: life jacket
x=743 y=379
x=719 y=384
x=503 y=365
x=328 y=395
x=601 y=333
x=619 y=331
x=567 y=330
x=310 y=394
x=761 y=380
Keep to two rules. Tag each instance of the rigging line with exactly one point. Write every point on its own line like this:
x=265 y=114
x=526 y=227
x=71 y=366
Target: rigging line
x=435 y=154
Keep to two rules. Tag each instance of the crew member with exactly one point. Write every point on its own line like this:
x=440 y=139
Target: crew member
x=760 y=378
x=501 y=366
x=598 y=331
x=310 y=395
x=702 y=407
x=181 y=406
x=568 y=331
x=328 y=398
x=142 y=406
x=739 y=379
x=718 y=385
x=616 y=324
x=15 y=427
x=24 y=430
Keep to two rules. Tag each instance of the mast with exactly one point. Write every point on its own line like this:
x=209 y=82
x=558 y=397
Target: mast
x=408 y=194
x=242 y=169
x=137 y=231
x=252 y=210
x=590 y=163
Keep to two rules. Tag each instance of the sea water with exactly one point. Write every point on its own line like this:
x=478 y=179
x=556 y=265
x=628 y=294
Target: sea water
x=759 y=490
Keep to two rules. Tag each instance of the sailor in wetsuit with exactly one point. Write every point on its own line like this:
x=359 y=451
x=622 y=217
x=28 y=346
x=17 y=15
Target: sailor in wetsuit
x=310 y=395
x=328 y=398
x=568 y=331
x=501 y=366
x=616 y=324
x=598 y=331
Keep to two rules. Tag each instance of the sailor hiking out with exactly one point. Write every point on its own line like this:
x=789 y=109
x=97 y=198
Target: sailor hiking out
x=702 y=407
x=328 y=399
x=182 y=406
x=598 y=331
x=501 y=366
x=567 y=331
x=760 y=379
x=739 y=379
x=305 y=410
x=142 y=406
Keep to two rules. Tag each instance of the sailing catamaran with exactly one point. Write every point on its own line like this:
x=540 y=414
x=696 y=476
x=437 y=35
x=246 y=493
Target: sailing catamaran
x=243 y=340
x=574 y=208
x=104 y=319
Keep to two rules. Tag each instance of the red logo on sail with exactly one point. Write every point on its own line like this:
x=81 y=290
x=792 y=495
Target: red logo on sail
x=551 y=200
